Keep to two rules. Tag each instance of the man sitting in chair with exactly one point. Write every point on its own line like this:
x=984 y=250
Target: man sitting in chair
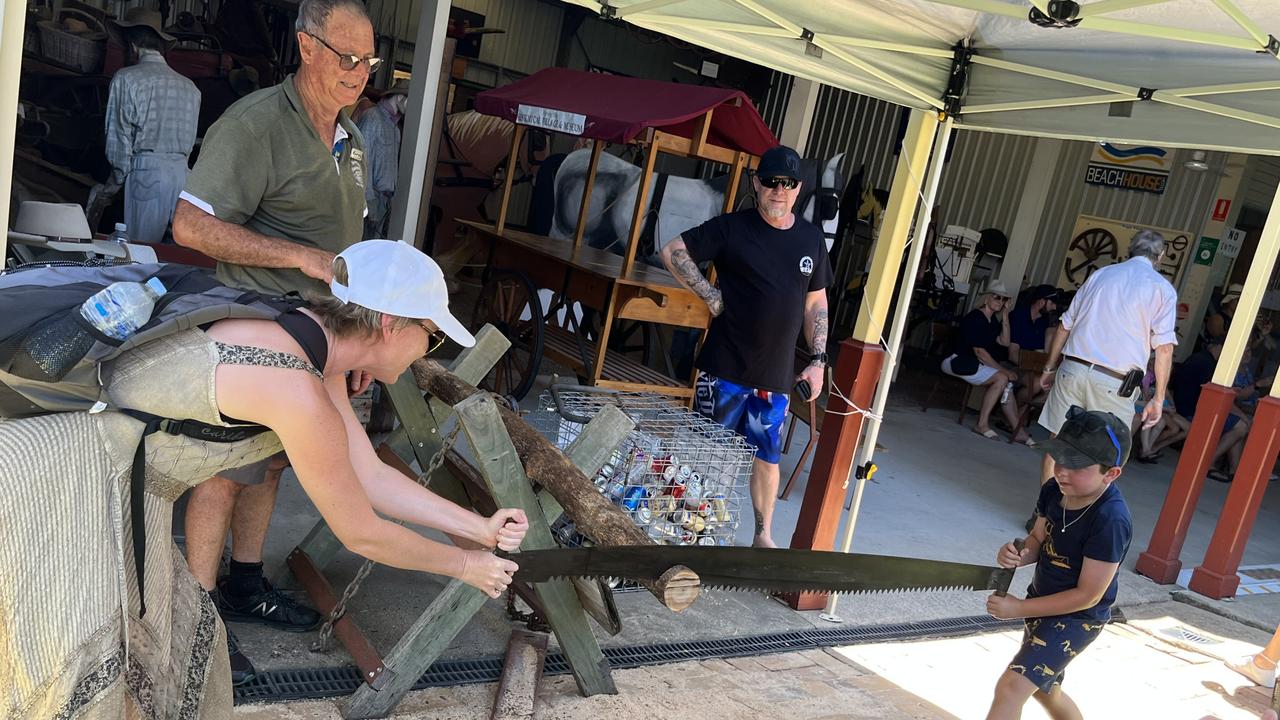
x=773 y=276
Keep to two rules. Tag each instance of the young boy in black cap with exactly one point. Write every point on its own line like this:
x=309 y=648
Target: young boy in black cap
x=1080 y=537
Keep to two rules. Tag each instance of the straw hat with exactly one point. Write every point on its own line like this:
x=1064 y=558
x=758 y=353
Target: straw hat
x=144 y=17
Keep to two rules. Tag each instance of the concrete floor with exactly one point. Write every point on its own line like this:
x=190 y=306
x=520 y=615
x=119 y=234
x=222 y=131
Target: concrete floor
x=942 y=492
x=1164 y=662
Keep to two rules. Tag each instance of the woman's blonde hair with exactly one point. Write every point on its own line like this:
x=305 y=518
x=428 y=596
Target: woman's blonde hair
x=349 y=319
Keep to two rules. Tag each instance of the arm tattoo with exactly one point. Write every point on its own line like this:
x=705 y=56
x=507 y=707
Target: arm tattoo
x=819 y=343
x=688 y=272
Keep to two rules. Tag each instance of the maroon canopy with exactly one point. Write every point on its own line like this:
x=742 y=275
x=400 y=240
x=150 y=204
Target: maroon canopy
x=617 y=109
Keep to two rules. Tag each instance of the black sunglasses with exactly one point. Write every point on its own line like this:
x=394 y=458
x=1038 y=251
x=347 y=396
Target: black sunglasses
x=774 y=183
x=347 y=61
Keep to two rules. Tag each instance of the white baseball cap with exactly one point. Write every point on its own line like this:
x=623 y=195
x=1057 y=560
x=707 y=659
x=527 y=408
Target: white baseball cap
x=398 y=279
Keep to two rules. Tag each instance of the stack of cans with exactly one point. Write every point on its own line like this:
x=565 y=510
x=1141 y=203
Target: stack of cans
x=680 y=476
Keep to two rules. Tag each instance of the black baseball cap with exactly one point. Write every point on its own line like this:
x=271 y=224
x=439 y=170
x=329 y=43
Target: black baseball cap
x=1090 y=437
x=780 y=161
x=1044 y=292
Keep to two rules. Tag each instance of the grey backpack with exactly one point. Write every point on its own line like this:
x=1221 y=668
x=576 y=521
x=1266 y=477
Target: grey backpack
x=53 y=360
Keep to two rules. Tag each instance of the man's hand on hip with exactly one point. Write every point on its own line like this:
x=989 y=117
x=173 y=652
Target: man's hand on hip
x=715 y=302
x=317 y=263
x=1151 y=412
x=814 y=375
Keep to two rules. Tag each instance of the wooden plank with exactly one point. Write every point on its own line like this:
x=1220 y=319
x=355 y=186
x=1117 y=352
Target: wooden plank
x=421 y=645
x=516 y=137
x=374 y=672
x=503 y=473
x=638 y=213
x=698 y=142
x=521 y=674
x=581 y=229
x=676 y=145
x=683 y=309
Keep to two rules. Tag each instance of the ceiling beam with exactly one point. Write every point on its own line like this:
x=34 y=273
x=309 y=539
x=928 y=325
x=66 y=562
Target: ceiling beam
x=881 y=75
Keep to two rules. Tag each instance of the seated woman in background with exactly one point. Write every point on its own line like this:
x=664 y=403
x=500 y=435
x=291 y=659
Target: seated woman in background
x=1171 y=428
x=983 y=329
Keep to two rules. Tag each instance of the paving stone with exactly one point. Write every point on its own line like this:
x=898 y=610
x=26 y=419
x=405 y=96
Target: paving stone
x=746 y=664
x=784 y=661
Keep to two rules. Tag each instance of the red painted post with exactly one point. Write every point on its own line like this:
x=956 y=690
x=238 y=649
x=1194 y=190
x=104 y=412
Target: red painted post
x=856 y=373
x=1216 y=576
x=1160 y=562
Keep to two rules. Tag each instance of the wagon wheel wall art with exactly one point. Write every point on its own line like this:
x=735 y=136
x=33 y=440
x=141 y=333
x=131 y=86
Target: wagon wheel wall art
x=1098 y=242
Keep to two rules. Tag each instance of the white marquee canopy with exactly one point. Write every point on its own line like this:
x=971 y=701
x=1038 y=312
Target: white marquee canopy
x=1182 y=73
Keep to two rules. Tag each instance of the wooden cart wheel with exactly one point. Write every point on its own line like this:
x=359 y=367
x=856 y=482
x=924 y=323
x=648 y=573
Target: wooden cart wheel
x=636 y=338
x=509 y=302
x=1092 y=249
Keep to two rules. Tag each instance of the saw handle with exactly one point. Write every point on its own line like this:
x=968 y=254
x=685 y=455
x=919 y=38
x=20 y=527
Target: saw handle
x=1006 y=574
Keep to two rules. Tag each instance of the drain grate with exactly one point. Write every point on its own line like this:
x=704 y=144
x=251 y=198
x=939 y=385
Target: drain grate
x=307 y=684
x=1182 y=633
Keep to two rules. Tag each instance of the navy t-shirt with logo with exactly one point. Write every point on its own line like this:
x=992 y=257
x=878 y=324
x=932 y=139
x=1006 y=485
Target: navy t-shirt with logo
x=1101 y=532
x=764 y=275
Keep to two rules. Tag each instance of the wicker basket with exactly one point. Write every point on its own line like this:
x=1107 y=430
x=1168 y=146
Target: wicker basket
x=82 y=53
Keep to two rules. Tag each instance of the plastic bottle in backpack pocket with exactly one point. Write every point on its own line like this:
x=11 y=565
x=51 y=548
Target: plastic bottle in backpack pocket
x=119 y=309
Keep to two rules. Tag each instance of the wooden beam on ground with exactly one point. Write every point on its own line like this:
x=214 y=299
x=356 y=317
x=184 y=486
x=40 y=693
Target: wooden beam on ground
x=500 y=465
x=592 y=513
x=521 y=675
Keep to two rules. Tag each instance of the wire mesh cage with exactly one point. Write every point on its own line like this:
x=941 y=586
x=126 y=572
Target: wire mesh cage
x=679 y=475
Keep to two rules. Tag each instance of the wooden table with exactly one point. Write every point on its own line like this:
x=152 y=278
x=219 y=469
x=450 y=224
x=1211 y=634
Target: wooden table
x=594 y=278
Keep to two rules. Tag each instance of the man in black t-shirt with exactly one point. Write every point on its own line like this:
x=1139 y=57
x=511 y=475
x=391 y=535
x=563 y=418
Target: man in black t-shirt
x=773 y=275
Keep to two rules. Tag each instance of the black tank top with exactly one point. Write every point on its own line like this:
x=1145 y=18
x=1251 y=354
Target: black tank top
x=307 y=332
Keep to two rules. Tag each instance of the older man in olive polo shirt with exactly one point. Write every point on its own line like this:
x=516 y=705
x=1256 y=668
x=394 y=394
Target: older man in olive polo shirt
x=277 y=192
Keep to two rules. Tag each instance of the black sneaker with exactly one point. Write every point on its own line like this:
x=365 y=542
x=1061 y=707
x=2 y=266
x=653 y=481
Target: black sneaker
x=268 y=606
x=241 y=669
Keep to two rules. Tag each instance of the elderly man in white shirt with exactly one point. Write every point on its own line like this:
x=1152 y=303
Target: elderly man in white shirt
x=1117 y=318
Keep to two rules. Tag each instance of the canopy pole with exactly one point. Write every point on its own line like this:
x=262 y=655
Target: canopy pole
x=857 y=367
x=1102 y=7
x=413 y=188
x=918 y=242
x=1244 y=21
x=644 y=7
x=11 y=25
x=881 y=75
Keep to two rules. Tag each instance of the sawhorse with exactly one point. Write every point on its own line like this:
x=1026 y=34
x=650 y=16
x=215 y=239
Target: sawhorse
x=387 y=680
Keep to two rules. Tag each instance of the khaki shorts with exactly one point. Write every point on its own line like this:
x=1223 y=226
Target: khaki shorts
x=1091 y=389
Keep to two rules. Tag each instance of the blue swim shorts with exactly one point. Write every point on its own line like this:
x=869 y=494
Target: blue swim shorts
x=757 y=415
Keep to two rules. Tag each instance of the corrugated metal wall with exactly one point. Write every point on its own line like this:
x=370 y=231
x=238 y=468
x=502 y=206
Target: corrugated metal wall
x=532 y=32
x=1181 y=207
x=773 y=108
x=865 y=129
x=1258 y=187
x=982 y=183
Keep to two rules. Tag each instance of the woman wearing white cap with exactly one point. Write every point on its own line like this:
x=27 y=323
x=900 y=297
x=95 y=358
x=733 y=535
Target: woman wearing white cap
x=73 y=639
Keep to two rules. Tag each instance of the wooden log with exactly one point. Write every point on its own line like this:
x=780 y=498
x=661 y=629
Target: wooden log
x=521 y=674
x=544 y=464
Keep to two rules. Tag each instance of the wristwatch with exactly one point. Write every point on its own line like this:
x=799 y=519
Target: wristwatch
x=818 y=358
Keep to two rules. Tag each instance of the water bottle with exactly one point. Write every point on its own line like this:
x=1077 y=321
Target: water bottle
x=119 y=309
x=120 y=234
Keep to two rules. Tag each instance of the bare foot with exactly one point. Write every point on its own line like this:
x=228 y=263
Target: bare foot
x=763 y=541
